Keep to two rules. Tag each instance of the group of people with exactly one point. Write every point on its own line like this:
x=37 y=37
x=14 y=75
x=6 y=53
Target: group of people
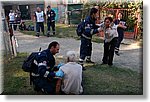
x=46 y=76
x=40 y=19
x=14 y=18
x=113 y=35
x=71 y=72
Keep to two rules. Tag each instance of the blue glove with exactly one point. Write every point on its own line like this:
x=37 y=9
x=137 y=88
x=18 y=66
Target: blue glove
x=59 y=73
x=59 y=65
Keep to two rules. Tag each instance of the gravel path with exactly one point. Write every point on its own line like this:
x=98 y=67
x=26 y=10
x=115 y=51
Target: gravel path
x=131 y=53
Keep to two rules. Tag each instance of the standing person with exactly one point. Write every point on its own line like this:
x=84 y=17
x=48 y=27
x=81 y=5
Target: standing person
x=72 y=79
x=12 y=19
x=120 y=30
x=50 y=20
x=110 y=39
x=17 y=18
x=44 y=78
x=86 y=37
x=40 y=18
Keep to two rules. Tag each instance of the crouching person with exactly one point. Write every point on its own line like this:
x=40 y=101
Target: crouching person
x=72 y=79
x=45 y=81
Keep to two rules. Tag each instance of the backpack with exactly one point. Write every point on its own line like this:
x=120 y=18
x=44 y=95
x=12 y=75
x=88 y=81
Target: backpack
x=29 y=65
x=80 y=28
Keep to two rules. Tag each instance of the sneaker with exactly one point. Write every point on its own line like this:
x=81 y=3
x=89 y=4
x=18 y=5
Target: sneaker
x=37 y=35
x=110 y=64
x=117 y=53
x=83 y=68
x=89 y=61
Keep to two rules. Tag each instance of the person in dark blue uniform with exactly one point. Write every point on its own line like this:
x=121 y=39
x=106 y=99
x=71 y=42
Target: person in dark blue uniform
x=50 y=20
x=120 y=31
x=90 y=29
x=45 y=76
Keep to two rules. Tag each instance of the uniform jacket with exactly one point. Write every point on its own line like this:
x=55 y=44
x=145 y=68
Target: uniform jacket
x=51 y=15
x=46 y=62
x=119 y=29
x=90 y=27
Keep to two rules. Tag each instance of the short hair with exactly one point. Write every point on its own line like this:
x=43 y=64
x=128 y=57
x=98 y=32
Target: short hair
x=71 y=56
x=54 y=44
x=109 y=18
x=93 y=11
x=48 y=6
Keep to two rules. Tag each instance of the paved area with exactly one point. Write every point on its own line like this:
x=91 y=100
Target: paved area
x=131 y=52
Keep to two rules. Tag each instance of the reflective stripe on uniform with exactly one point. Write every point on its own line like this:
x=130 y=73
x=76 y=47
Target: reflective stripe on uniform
x=46 y=73
x=41 y=64
x=87 y=27
x=91 y=32
x=35 y=75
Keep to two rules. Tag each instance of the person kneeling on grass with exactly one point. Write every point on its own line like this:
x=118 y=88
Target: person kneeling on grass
x=110 y=39
x=72 y=75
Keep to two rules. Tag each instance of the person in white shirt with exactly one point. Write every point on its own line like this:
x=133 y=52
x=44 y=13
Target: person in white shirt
x=12 y=19
x=72 y=79
x=110 y=39
x=40 y=18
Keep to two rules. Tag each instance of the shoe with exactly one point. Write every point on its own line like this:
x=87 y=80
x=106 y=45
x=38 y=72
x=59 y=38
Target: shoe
x=37 y=35
x=89 y=61
x=48 y=35
x=83 y=68
x=117 y=53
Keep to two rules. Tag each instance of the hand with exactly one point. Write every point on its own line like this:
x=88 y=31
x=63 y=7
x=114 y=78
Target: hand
x=59 y=65
x=59 y=73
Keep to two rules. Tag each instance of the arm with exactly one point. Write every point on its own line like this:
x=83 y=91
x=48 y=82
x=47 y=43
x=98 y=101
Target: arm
x=42 y=67
x=35 y=17
x=122 y=26
x=44 y=16
x=89 y=30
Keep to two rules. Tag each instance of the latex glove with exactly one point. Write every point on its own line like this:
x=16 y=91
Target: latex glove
x=59 y=73
x=59 y=65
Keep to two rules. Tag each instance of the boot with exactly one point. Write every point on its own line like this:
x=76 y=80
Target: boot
x=81 y=63
x=88 y=60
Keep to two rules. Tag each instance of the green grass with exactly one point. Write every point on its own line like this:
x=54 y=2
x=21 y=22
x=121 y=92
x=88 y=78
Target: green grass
x=63 y=31
x=97 y=79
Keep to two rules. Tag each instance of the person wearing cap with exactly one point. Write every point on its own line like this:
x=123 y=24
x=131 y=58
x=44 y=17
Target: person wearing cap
x=72 y=79
x=40 y=19
x=50 y=14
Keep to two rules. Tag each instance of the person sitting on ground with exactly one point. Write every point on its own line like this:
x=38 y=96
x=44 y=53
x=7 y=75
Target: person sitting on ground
x=22 y=26
x=72 y=75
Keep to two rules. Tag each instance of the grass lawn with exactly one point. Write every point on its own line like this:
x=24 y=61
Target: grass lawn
x=97 y=79
x=62 y=31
